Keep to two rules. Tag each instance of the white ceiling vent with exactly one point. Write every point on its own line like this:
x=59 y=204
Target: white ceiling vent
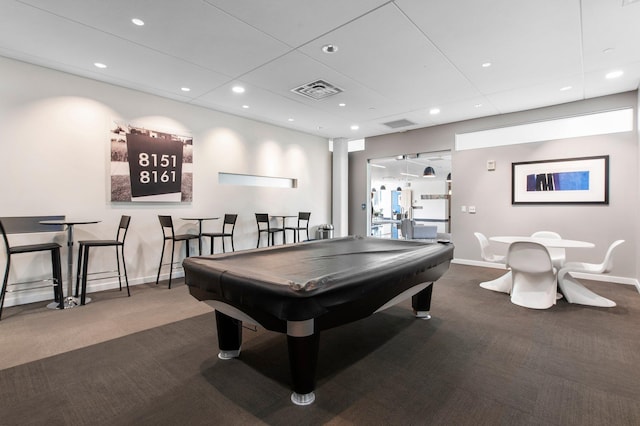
x=317 y=90
x=399 y=123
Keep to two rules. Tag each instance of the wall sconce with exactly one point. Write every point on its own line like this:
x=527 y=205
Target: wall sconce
x=399 y=188
x=383 y=188
x=449 y=177
x=429 y=172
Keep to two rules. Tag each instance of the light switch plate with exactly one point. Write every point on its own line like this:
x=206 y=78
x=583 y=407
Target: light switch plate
x=491 y=165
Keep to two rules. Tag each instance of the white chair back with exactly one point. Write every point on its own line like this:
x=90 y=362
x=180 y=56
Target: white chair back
x=558 y=254
x=485 y=250
x=534 y=278
x=607 y=263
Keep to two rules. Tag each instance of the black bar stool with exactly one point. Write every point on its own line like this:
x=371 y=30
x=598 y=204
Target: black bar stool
x=56 y=267
x=229 y=220
x=303 y=225
x=168 y=234
x=264 y=227
x=83 y=259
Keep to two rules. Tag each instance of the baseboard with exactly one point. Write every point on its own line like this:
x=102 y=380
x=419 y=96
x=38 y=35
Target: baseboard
x=46 y=294
x=593 y=277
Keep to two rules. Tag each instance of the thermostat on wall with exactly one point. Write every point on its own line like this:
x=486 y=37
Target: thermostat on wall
x=491 y=165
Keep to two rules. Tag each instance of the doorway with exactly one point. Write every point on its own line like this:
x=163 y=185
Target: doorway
x=409 y=186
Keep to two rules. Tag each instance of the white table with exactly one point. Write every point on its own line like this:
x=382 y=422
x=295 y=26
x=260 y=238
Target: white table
x=503 y=283
x=547 y=242
x=556 y=258
x=572 y=289
x=69 y=301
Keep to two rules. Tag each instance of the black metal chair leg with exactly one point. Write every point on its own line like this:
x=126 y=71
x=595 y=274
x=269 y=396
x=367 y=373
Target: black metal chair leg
x=78 y=274
x=124 y=267
x=160 y=267
x=85 y=261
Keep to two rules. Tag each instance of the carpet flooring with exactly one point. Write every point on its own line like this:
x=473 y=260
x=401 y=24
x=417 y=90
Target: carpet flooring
x=480 y=360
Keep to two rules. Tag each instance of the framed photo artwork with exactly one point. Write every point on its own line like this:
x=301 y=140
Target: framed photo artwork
x=150 y=165
x=582 y=180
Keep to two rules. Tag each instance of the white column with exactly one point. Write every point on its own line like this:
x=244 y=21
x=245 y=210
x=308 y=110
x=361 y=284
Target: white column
x=340 y=188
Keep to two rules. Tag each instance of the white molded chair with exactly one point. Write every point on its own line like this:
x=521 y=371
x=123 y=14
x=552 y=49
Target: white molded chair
x=574 y=291
x=534 y=277
x=501 y=284
x=558 y=254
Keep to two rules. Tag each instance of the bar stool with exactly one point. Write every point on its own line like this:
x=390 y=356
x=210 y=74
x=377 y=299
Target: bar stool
x=83 y=259
x=168 y=234
x=263 y=218
x=56 y=267
x=229 y=219
x=302 y=217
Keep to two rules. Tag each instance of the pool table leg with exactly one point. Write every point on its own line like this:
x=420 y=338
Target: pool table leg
x=421 y=302
x=229 y=335
x=303 y=343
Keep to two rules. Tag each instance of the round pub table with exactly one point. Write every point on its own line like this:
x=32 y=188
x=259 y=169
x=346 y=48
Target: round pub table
x=69 y=301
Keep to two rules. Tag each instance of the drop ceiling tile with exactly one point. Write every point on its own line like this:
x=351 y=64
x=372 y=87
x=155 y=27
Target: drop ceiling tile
x=191 y=30
x=386 y=53
x=526 y=43
x=297 y=22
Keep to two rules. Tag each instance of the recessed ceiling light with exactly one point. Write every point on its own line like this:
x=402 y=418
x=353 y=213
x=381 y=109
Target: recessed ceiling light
x=478 y=105
x=608 y=50
x=434 y=111
x=329 y=48
x=614 y=74
x=99 y=65
x=291 y=119
x=245 y=106
x=137 y=21
x=238 y=89
x=342 y=104
x=565 y=88
x=486 y=65
x=185 y=89
x=355 y=127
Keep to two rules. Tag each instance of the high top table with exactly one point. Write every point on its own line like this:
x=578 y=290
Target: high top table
x=284 y=218
x=199 y=219
x=69 y=301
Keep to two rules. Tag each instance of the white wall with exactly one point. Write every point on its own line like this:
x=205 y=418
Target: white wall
x=54 y=159
x=490 y=191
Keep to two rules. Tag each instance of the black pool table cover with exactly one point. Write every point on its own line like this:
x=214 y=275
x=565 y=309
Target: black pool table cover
x=321 y=284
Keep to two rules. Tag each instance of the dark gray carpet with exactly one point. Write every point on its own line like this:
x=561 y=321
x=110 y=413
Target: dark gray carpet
x=479 y=361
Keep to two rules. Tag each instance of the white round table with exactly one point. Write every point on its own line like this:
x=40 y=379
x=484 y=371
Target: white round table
x=547 y=242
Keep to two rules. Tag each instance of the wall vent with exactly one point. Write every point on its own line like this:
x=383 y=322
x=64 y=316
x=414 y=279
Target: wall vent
x=399 y=123
x=317 y=90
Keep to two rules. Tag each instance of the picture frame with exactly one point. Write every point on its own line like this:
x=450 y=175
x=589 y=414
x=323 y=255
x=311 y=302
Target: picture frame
x=150 y=165
x=583 y=180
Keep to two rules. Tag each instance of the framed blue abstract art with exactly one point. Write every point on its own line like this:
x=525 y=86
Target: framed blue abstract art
x=582 y=180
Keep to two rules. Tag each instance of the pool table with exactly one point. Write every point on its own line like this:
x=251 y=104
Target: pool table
x=302 y=289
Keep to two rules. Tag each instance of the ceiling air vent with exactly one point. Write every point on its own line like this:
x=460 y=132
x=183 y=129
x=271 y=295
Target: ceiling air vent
x=317 y=90
x=399 y=123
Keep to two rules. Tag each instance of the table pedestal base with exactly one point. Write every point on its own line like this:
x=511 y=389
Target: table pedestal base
x=69 y=302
